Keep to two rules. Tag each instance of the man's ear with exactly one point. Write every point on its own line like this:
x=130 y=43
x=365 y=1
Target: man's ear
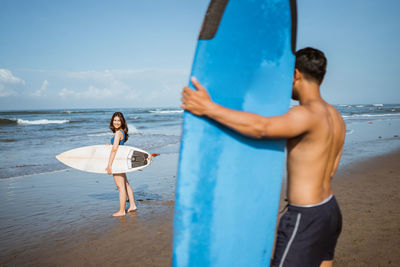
x=297 y=75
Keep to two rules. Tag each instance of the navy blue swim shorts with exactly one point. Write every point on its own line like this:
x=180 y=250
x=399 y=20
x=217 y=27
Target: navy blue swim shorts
x=307 y=235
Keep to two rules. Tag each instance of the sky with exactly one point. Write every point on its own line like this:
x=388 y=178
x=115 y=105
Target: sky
x=131 y=53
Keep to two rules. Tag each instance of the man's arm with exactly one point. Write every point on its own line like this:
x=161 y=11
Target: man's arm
x=295 y=122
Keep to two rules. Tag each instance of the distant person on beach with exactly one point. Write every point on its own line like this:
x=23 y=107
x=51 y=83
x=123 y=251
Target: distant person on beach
x=308 y=231
x=120 y=129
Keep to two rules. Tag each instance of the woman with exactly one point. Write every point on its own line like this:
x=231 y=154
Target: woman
x=120 y=129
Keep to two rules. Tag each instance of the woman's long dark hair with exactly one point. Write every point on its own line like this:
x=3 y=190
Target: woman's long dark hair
x=124 y=125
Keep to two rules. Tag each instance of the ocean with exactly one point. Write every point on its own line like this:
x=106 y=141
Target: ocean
x=30 y=139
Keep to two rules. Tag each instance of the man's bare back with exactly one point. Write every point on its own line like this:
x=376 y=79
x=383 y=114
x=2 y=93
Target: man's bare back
x=313 y=157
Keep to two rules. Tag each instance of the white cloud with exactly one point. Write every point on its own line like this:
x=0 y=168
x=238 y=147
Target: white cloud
x=7 y=81
x=6 y=77
x=5 y=92
x=91 y=93
x=98 y=84
x=127 y=88
x=66 y=93
x=42 y=89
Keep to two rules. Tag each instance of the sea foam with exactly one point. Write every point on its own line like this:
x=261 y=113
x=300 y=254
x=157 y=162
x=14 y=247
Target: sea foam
x=38 y=122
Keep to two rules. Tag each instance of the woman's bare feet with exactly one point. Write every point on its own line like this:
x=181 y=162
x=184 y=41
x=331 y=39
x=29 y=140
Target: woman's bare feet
x=119 y=213
x=132 y=209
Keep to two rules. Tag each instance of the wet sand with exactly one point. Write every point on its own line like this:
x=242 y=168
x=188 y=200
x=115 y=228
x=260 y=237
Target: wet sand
x=366 y=191
x=64 y=219
x=368 y=194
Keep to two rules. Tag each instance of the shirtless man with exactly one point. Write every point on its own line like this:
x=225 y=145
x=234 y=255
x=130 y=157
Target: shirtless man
x=308 y=231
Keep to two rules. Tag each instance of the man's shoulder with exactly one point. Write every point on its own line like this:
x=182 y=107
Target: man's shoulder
x=319 y=106
x=305 y=114
x=311 y=108
x=323 y=109
x=316 y=110
x=333 y=110
x=300 y=109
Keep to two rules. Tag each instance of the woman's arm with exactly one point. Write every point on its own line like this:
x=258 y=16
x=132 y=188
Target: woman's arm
x=114 y=149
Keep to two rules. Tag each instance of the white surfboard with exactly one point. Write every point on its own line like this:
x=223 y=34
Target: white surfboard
x=95 y=159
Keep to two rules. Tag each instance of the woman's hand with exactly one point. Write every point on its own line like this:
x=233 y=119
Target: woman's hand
x=108 y=170
x=113 y=152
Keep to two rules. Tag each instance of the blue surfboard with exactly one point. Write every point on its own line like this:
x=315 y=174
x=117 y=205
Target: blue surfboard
x=228 y=185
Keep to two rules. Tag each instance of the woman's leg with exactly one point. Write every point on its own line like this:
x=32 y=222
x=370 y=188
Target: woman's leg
x=119 y=179
x=132 y=204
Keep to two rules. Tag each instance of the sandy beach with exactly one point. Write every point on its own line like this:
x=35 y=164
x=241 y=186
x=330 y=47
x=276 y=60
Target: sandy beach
x=367 y=193
x=63 y=218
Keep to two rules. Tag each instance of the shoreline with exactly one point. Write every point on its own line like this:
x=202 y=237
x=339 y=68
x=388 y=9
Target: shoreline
x=367 y=192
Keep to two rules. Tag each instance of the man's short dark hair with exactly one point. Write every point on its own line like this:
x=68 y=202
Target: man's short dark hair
x=311 y=63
